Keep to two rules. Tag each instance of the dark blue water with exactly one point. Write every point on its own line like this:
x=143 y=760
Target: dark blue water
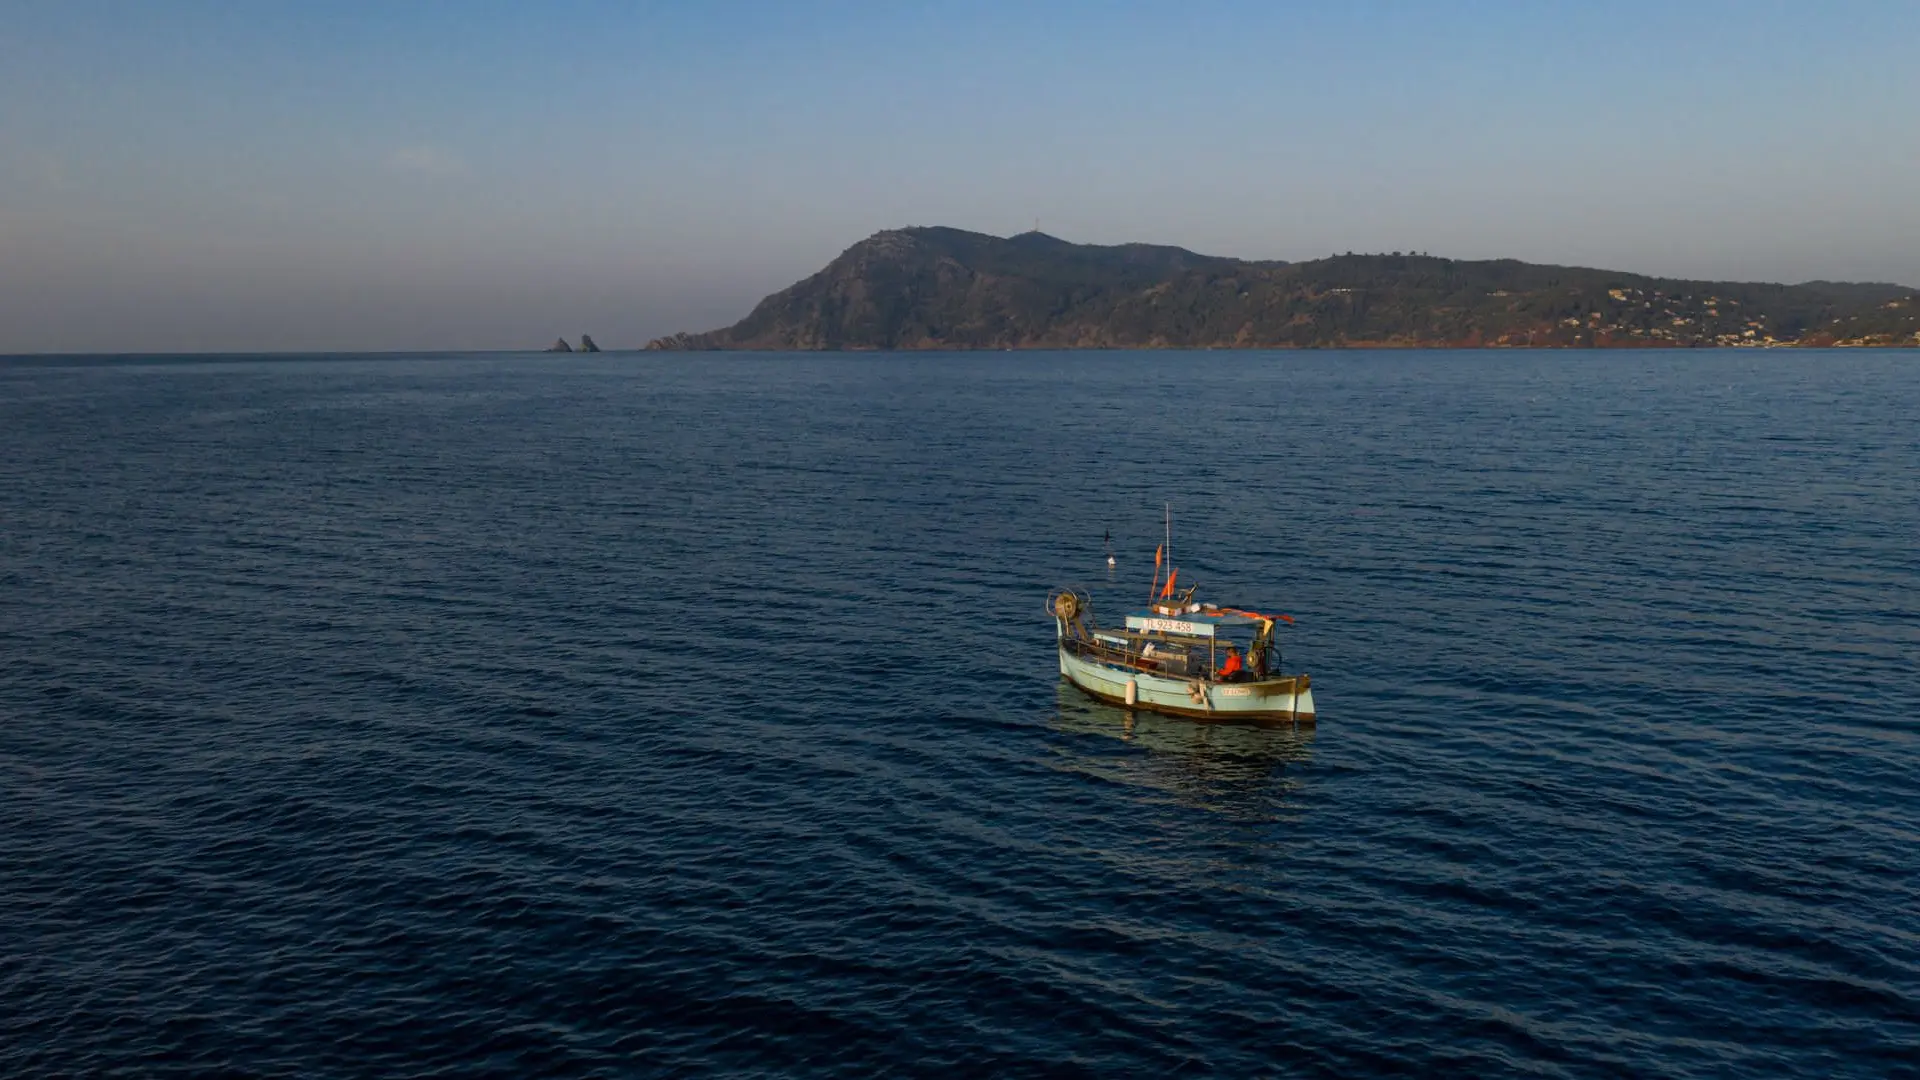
x=632 y=715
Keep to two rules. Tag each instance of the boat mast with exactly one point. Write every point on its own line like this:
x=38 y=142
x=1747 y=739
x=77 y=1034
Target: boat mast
x=1153 y=594
x=1170 y=537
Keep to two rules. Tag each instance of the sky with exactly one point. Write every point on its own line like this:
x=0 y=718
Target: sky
x=271 y=175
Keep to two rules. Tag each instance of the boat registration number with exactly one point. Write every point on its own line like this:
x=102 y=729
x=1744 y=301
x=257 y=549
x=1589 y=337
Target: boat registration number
x=1235 y=691
x=1170 y=626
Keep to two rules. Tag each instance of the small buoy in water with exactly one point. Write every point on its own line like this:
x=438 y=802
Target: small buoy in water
x=1109 y=562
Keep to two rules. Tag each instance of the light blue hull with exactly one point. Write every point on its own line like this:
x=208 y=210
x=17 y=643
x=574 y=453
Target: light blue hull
x=1285 y=697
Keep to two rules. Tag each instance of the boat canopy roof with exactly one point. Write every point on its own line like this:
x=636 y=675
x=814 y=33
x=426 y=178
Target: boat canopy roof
x=1207 y=622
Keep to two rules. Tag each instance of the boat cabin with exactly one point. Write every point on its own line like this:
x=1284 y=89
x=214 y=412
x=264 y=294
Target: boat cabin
x=1184 y=641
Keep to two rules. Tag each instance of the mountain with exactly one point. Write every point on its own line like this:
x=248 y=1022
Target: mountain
x=942 y=288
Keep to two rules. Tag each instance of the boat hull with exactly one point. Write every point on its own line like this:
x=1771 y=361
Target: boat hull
x=1288 y=697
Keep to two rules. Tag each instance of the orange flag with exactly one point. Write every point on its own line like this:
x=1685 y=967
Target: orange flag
x=1156 y=557
x=1168 y=591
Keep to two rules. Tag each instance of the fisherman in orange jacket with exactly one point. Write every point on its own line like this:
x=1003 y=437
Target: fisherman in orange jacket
x=1229 y=670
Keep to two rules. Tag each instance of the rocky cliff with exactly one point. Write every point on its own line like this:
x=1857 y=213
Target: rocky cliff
x=940 y=288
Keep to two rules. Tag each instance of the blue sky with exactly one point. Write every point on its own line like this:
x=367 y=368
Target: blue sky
x=290 y=176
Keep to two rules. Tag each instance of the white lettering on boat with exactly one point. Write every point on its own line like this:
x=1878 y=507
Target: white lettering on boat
x=1171 y=626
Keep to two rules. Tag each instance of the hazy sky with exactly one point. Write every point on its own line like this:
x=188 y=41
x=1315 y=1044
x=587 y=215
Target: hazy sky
x=398 y=175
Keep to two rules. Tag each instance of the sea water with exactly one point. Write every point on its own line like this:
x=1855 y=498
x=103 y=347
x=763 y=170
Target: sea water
x=633 y=714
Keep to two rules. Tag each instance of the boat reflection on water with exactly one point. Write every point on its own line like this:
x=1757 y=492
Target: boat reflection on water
x=1235 y=767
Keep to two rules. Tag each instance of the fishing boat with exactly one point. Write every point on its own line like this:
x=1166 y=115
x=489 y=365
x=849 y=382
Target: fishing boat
x=1179 y=656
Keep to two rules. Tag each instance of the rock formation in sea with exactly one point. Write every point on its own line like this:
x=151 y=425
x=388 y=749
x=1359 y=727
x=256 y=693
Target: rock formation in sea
x=587 y=345
x=559 y=345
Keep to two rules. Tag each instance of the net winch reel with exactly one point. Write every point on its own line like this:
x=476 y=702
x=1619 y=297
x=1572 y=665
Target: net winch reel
x=1070 y=606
